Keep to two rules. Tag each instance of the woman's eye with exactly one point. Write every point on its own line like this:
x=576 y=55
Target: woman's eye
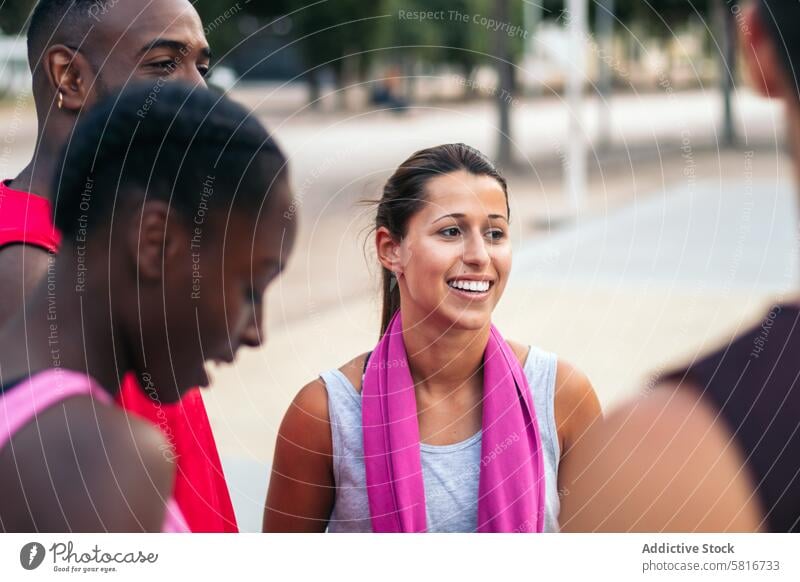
x=496 y=234
x=252 y=295
x=450 y=232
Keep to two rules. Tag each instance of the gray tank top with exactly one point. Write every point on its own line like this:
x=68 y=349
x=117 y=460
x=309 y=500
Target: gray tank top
x=450 y=472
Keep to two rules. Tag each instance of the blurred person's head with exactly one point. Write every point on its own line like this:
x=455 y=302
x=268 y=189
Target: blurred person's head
x=80 y=50
x=770 y=33
x=178 y=209
x=442 y=238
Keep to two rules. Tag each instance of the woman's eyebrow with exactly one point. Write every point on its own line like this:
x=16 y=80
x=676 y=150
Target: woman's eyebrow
x=460 y=215
x=455 y=215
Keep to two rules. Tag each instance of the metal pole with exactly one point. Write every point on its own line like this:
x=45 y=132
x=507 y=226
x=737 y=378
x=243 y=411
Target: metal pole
x=605 y=33
x=504 y=95
x=575 y=178
x=532 y=16
x=726 y=27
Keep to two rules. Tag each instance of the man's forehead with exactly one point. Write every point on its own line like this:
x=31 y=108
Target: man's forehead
x=138 y=23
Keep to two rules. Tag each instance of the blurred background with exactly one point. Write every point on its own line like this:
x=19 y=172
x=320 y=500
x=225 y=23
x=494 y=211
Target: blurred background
x=653 y=208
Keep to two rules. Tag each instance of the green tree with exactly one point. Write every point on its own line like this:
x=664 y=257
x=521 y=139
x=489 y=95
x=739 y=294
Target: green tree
x=333 y=32
x=224 y=32
x=14 y=15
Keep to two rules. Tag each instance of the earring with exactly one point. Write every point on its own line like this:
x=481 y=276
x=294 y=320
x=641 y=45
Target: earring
x=60 y=101
x=392 y=281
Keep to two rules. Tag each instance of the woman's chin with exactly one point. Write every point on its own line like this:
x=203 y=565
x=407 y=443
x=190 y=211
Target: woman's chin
x=203 y=379
x=464 y=321
x=198 y=378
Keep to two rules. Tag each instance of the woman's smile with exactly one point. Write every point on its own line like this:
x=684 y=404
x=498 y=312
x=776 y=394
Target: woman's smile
x=471 y=288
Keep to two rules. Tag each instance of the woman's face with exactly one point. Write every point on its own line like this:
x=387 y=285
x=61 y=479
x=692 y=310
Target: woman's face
x=232 y=307
x=455 y=259
x=212 y=298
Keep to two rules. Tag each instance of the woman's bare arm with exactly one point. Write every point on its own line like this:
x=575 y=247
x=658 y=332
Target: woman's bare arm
x=301 y=488
x=81 y=467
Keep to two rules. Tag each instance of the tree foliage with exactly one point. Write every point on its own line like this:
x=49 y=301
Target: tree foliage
x=327 y=30
x=14 y=15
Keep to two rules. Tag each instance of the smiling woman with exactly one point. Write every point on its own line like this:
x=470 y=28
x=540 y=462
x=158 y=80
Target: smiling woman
x=444 y=426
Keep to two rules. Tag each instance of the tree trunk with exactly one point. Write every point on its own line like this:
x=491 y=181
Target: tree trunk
x=725 y=25
x=505 y=89
x=313 y=88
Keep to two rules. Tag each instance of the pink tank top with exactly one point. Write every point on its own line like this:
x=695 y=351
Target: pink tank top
x=22 y=403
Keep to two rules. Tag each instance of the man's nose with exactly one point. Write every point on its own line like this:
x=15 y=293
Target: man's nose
x=188 y=73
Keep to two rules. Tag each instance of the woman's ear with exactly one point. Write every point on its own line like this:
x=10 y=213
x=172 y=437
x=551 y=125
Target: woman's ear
x=763 y=63
x=155 y=241
x=388 y=250
x=70 y=76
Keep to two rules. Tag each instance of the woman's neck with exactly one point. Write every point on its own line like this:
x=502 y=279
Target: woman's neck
x=441 y=360
x=61 y=328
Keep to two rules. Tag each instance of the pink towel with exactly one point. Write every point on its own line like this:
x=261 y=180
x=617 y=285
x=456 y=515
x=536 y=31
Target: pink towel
x=511 y=486
x=26 y=400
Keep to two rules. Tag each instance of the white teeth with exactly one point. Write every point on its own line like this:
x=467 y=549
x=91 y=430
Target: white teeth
x=475 y=286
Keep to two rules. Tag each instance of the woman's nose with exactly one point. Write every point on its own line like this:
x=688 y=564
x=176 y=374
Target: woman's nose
x=475 y=250
x=253 y=332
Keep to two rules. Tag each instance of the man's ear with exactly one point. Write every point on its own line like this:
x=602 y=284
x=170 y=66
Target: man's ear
x=762 y=60
x=388 y=250
x=70 y=75
x=156 y=241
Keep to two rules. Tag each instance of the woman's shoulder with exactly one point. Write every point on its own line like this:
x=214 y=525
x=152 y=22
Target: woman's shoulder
x=307 y=421
x=571 y=383
x=576 y=403
x=354 y=370
x=520 y=350
x=312 y=400
x=78 y=421
x=81 y=444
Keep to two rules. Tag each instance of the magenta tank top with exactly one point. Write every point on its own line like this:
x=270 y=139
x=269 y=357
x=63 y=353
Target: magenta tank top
x=22 y=402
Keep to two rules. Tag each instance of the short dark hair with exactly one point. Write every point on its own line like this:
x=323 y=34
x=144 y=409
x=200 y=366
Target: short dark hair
x=52 y=20
x=782 y=18
x=163 y=141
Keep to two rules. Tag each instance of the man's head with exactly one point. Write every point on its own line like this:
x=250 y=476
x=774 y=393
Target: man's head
x=175 y=209
x=770 y=34
x=79 y=50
